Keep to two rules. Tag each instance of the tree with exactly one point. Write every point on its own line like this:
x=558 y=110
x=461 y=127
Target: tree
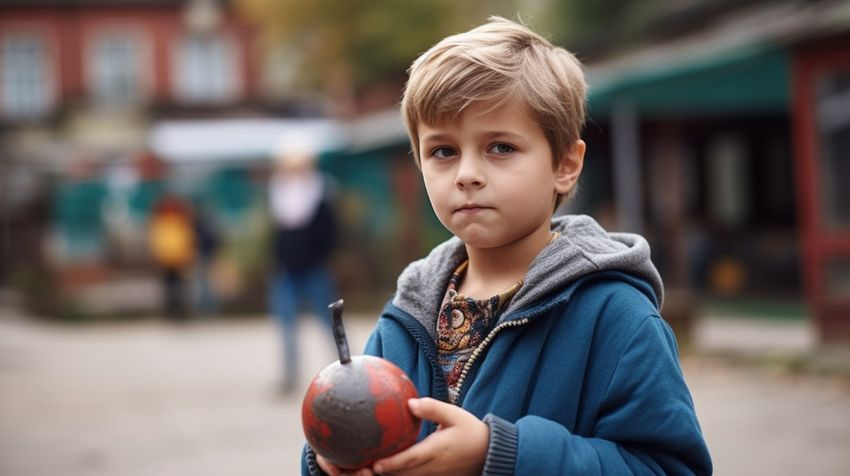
x=589 y=26
x=357 y=42
x=346 y=47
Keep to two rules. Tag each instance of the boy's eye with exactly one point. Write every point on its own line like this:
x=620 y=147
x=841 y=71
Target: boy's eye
x=442 y=152
x=502 y=148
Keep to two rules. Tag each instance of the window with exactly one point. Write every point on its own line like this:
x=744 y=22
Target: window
x=837 y=277
x=833 y=109
x=115 y=69
x=728 y=166
x=206 y=69
x=26 y=82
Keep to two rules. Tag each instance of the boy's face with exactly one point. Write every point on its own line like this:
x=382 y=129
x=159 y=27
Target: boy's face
x=490 y=175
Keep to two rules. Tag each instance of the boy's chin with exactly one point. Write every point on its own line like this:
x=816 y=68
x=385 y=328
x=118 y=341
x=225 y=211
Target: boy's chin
x=479 y=242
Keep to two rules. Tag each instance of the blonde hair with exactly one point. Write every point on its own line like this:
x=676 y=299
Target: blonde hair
x=497 y=62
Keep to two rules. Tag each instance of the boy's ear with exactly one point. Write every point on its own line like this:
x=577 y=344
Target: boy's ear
x=569 y=167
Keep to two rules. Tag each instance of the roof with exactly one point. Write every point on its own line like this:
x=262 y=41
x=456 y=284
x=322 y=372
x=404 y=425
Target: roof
x=740 y=62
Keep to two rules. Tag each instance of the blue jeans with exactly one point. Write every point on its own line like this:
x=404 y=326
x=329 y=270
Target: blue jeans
x=206 y=301
x=287 y=291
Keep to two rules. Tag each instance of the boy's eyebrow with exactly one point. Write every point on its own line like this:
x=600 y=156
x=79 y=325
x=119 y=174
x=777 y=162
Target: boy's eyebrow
x=439 y=136
x=502 y=134
x=435 y=137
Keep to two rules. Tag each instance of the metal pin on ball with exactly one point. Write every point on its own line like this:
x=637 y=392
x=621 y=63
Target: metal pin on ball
x=355 y=410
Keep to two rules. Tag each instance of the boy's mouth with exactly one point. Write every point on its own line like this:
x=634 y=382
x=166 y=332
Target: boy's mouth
x=471 y=208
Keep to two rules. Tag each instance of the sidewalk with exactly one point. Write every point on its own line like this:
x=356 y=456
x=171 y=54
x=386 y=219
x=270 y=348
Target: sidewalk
x=149 y=398
x=791 y=344
x=754 y=336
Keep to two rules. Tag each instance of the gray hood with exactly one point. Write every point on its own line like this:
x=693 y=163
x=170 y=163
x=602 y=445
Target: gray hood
x=583 y=247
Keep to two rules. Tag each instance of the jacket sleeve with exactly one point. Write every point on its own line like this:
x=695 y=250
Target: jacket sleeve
x=646 y=423
x=309 y=467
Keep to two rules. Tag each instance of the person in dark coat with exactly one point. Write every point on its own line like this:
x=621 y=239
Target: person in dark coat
x=206 y=245
x=304 y=233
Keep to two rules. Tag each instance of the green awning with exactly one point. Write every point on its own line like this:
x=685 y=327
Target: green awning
x=747 y=79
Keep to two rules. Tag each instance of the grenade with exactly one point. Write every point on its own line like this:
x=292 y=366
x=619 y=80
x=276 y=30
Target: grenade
x=355 y=410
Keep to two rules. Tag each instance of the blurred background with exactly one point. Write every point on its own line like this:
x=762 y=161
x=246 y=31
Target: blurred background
x=719 y=129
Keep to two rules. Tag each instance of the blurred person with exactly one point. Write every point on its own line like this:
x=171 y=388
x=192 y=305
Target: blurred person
x=206 y=246
x=535 y=343
x=171 y=237
x=304 y=229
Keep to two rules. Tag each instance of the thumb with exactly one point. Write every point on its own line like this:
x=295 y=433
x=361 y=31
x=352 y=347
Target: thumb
x=442 y=413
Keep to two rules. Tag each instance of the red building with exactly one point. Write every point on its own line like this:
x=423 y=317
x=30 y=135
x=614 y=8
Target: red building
x=57 y=54
x=82 y=83
x=821 y=87
x=727 y=134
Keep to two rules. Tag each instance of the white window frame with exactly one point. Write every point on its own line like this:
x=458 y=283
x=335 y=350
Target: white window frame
x=190 y=78
x=143 y=66
x=729 y=180
x=46 y=75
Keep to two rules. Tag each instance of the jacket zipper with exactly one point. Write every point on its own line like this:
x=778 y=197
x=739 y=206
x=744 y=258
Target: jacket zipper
x=480 y=349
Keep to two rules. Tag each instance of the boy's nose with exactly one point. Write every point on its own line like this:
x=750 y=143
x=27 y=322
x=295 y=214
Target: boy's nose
x=469 y=174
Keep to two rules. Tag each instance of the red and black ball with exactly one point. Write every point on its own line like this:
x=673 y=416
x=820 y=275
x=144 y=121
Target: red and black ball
x=356 y=413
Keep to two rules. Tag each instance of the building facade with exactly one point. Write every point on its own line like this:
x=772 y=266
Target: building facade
x=727 y=145
x=60 y=55
x=82 y=83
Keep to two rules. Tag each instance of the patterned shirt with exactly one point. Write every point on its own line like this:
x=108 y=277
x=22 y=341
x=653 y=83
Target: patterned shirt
x=463 y=323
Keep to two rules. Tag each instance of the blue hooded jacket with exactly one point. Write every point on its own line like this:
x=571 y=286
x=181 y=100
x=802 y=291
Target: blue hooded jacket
x=579 y=376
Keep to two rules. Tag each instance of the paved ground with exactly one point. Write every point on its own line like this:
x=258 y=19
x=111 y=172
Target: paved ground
x=155 y=399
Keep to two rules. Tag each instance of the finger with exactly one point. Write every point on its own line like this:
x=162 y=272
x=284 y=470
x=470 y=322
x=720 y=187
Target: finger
x=412 y=457
x=327 y=466
x=442 y=413
x=357 y=472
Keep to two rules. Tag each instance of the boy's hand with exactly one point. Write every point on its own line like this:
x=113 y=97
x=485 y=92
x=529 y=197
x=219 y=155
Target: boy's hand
x=459 y=446
x=332 y=470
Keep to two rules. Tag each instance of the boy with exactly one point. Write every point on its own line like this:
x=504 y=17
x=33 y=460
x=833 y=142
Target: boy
x=538 y=341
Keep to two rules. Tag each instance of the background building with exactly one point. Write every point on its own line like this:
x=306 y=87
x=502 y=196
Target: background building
x=724 y=143
x=81 y=85
x=716 y=129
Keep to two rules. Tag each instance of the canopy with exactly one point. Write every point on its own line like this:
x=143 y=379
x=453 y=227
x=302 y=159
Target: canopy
x=740 y=63
x=236 y=140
